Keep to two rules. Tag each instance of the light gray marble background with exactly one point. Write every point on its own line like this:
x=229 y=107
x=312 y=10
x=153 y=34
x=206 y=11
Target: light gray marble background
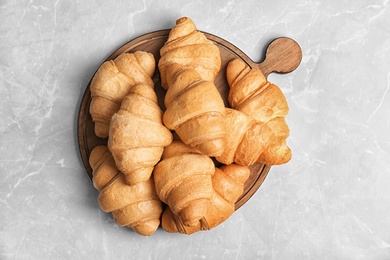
x=331 y=201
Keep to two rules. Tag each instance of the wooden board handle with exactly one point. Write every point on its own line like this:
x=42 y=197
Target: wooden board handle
x=283 y=55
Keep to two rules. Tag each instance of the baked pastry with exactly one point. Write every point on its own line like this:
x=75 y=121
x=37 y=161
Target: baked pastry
x=253 y=95
x=228 y=185
x=137 y=136
x=189 y=48
x=246 y=140
x=188 y=66
x=112 y=83
x=195 y=110
x=136 y=206
x=183 y=181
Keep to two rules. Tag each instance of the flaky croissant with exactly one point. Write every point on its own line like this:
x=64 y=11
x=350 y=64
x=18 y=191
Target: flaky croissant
x=246 y=139
x=191 y=49
x=252 y=94
x=195 y=110
x=183 y=181
x=188 y=66
x=136 y=206
x=228 y=184
x=112 y=82
x=137 y=136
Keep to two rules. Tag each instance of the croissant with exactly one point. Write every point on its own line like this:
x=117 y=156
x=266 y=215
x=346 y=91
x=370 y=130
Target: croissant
x=195 y=110
x=189 y=48
x=137 y=136
x=112 y=82
x=228 y=184
x=253 y=95
x=183 y=181
x=246 y=140
x=136 y=206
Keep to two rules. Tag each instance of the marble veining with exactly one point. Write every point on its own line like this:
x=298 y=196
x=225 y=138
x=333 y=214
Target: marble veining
x=331 y=201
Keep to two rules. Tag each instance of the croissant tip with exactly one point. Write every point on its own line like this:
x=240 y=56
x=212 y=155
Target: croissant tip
x=182 y=20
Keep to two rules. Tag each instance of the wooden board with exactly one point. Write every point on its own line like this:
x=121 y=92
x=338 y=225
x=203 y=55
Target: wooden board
x=283 y=55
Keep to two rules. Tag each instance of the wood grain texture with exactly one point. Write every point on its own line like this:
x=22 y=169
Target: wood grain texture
x=283 y=55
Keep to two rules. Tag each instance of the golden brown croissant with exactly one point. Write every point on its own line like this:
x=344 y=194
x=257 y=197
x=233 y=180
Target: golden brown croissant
x=246 y=139
x=228 y=184
x=183 y=181
x=136 y=206
x=188 y=66
x=252 y=94
x=137 y=136
x=189 y=48
x=195 y=110
x=112 y=82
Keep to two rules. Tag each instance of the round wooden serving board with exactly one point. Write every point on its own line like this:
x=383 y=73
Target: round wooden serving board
x=283 y=55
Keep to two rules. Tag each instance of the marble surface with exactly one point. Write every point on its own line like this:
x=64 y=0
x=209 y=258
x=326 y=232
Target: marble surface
x=331 y=201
